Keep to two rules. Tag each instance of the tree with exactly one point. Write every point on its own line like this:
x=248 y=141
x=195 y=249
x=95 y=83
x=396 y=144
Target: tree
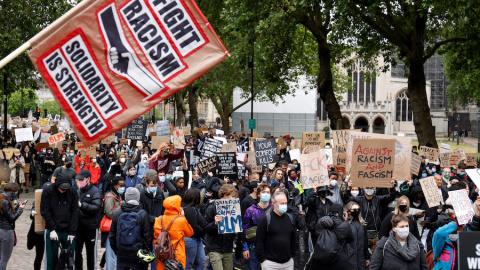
x=51 y=106
x=416 y=29
x=24 y=99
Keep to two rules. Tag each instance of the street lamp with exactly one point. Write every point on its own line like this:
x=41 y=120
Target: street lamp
x=458 y=128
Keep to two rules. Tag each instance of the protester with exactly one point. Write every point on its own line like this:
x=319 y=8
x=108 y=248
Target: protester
x=17 y=163
x=401 y=208
x=194 y=250
x=28 y=157
x=359 y=257
x=66 y=170
x=162 y=158
x=318 y=206
x=95 y=168
x=112 y=201
x=151 y=200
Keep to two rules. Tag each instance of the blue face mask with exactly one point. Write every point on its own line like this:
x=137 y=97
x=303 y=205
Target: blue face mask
x=282 y=208
x=461 y=173
x=295 y=166
x=428 y=168
x=434 y=170
x=121 y=190
x=424 y=175
x=288 y=149
x=152 y=189
x=265 y=197
x=162 y=179
x=169 y=177
x=264 y=179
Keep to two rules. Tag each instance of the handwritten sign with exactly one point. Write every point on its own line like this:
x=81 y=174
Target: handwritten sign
x=162 y=128
x=157 y=141
x=227 y=165
x=282 y=143
x=207 y=164
x=431 y=192
x=445 y=160
x=56 y=138
x=252 y=161
x=266 y=152
x=444 y=148
x=178 y=138
x=462 y=206
x=373 y=162
x=314 y=170
x=8 y=152
x=43 y=121
x=416 y=162
x=313 y=138
x=229 y=210
x=80 y=146
x=136 y=130
x=108 y=140
x=470 y=159
x=295 y=144
x=243 y=146
x=210 y=148
x=429 y=152
x=229 y=147
x=24 y=134
x=460 y=152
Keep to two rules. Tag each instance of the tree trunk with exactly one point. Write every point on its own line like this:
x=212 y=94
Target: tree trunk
x=417 y=94
x=5 y=123
x=192 y=104
x=179 y=105
x=325 y=84
x=225 y=122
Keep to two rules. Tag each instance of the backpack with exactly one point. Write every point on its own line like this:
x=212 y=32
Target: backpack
x=269 y=218
x=163 y=246
x=325 y=251
x=129 y=228
x=65 y=260
x=251 y=233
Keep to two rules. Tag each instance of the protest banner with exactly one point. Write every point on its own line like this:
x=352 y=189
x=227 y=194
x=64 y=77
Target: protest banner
x=266 y=151
x=429 y=153
x=210 y=148
x=340 y=137
x=340 y=156
x=81 y=146
x=444 y=159
x=295 y=144
x=470 y=159
x=462 y=206
x=328 y=154
x=294 y=154
x=468 y=250
x=313 y=138
x=205 y=165
x=178 y=139
x=38 y=219
x=461 y=153
x=373 y=162
x=444 y=148
x=56 y=138
x=403 y=152
x=98 y=47
x=157 y=141
x=252 y=161
x=44 y=137
x=162 y=128
x=314 y=170
x=454 y=159
x=177 y=174
x=136 y=130
x=243 y=146
x=8 y=152
x=229 y=147
x=415 y=164
x=474 y=174
x=24 y=134
x=252 y=140
x=282 y=143
x=227 y=165
x=43 y=121
x=229 y=210
x=108 y=140
x=222 y=139
x=431 y=192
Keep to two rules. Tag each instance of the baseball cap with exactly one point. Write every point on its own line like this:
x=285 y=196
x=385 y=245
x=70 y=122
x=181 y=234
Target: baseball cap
x=83 y=174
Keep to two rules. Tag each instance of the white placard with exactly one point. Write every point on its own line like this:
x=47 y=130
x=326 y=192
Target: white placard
x=44 y=137
x=294 y=154
x=444 y=148
x=24 y=134
x=462 y=206
x=474 y=174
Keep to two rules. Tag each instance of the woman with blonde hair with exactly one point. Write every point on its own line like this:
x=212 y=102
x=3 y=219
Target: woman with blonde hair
x=401 y=208
x=359 y=257
x=277 y=176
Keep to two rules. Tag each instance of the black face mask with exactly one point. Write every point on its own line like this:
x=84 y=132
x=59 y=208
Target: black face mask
x=355 y=213
x=402 y=208
x=323 y=194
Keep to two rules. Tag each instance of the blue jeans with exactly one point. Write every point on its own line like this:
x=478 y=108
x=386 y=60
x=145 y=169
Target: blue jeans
x=195 y=253
x=253 y=263
x=110 y=257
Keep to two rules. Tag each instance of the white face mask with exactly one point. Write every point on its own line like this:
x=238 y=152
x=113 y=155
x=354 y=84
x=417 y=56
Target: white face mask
x=63 y=159
x=333 y=183
x=402 y=232
x=94 y=160
x=369 y=191
x=416 y=204
x=453 y=237
x=355 y=193
x=122 y=160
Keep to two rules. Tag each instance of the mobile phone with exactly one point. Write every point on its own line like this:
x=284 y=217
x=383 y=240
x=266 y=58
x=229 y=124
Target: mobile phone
x=25 y=202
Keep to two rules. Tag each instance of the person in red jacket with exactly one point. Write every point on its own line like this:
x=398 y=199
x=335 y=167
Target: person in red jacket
x=81 y=163
x=95 y=169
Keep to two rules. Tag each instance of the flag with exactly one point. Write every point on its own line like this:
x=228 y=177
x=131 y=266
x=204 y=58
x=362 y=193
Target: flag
x=108 y=62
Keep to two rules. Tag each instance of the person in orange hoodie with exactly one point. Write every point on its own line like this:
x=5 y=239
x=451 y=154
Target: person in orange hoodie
x=180 y=228
x=81 y=163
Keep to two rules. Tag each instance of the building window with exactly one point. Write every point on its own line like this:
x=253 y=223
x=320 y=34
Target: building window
x=363 y=91
x=321 y=110
x=403 y=108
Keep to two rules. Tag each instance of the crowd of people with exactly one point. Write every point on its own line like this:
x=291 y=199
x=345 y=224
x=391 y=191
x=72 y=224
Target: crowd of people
x=128 y=197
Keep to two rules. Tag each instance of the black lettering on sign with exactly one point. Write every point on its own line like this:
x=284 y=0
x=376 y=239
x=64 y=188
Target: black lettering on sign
x=207 y=164
x=180 y=27
x=136 y=130
x=210 y=148
x=71 y=90
x=227 y=165
x=152 y=40
x=265 y=151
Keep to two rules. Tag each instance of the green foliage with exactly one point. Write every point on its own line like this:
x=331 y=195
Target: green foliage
x=20 y=100
x=52 y=108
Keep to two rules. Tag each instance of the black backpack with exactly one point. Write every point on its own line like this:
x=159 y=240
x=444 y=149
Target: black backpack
x=65 y=260
x=324 y=251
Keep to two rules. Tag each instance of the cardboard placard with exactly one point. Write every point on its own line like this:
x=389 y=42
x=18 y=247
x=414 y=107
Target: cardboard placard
x=39 y=220
x=340 y=156
x=229 y=147
x=314 y=170
x=56 y=138
x=445 y=160
x=24 y=134
x=430 y=153
x=178 y=139
x=157 y=141
x=229 y=210
x=80 y=146
x=373 y=162
x=162 y=128
x=295 y=144
x=227 y=165
x=313 y=138
x=416 y=163
x=252 y=161
x=282 y=143
x=403 y=152
x=92 y=152
x=255 y=134
x=207 y=164
x=444 y=148
x=454 y=159
x=136 y=130
x=40 y=146
x=470 y=159
x=43 y=121
x=461 y=153
x=266 y=151
x=8 y=152
x=210 y=148
x=431 y=192
x=110 y=139
x=123 y=141
x=187 y=131
x=54 y=129
x=462 y=206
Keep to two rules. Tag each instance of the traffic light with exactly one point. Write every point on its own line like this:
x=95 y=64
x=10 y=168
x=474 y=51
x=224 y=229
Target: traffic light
x=45 y=113
x=37 y=114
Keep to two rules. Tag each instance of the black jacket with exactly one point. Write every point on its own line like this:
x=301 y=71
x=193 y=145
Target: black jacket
x=358 y=249
x=216 y=242
x=196 y=220
x=387 y=227
x=297 y=217
x=89 y=214
x=145 y=231
x=8 y=218
x=316 y=210
x=152 y=205
x=60 y=210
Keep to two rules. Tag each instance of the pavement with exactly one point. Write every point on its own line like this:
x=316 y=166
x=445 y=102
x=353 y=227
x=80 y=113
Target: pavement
x=22 y=258
x=470 y=141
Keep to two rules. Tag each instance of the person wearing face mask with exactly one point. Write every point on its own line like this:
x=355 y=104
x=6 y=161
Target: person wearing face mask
x=359 y=257
x=47 y=165
x=59 y=208
x=165 y=185
x=131 y=179
x=276 y=239
x=142 y=166
x=318 y=206
x=28 y=157
x=334 y=189
x=162 y=158
x=17 y=163
x=129 y=161
x=81 y=163
x=96 y=170
x=296 y=165
x=151 y=199
x=66 y=169
x=112 y=201
x=401 y=208
x=89 y=203
x=250 y=222
x=400 y=250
